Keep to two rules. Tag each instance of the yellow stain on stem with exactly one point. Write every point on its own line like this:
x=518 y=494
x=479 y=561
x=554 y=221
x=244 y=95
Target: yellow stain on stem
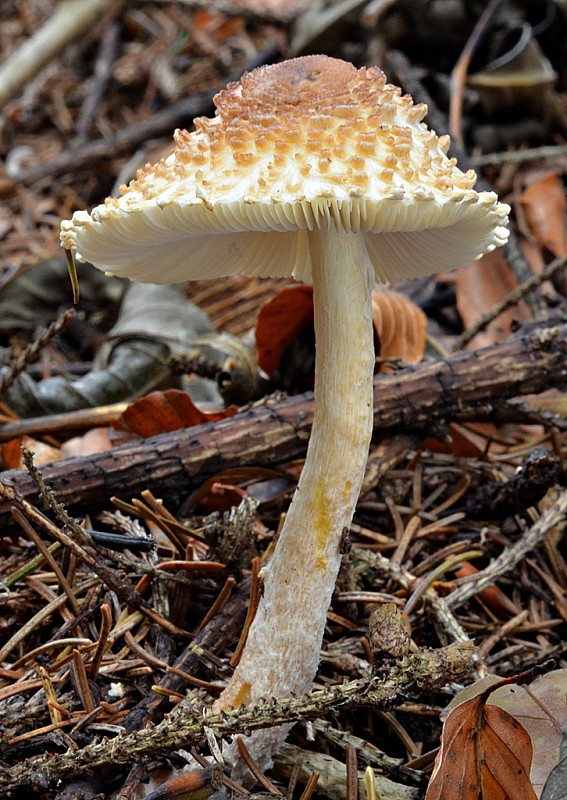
x=322 y=523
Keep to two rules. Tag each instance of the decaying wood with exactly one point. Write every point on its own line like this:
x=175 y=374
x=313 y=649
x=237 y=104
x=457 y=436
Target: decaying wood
x=463 y=387
x=425 y=671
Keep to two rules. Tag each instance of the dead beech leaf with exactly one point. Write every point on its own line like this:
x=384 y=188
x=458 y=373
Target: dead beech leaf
x=485 y=754
x=541 y=707
x=281 y=321
x=470 y=440
x=401 y=326
x=556 y=785
x=481 y=285
x=97 y=440
x=544 y=206
x=161 y=412
x=43 y=453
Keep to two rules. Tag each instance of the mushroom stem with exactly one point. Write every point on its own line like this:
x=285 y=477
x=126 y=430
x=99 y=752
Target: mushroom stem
x=282 y=652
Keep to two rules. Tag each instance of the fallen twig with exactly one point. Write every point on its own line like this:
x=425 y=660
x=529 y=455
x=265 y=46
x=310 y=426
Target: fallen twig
x=510 y=300
x=467 y=386
x=511 y=556
x=424 y=671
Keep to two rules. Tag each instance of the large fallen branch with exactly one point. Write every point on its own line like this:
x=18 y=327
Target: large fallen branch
x=463 y=387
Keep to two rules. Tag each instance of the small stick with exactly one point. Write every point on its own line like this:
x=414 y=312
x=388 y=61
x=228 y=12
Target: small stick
x=293 y=778
x=50 y=696
x=48 y=557
x=43 y=614
x=102 y=644
x=511 y=556
x=218 y=603
x=46 y=647
x=32 y=351
x=102 y=73
x=70 y=20
x=460 y=70
x=262 y=779
x=82 y=684
x=351 y=773
x=424 y=671
x=369 y=784
x=521 y=156
x=307 y=793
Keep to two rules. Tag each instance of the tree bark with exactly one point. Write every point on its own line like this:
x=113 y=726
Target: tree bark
x=467 y=386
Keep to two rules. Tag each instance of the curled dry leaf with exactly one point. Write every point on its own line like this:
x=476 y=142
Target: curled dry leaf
x=485 y=753
x=281 y=321
x=480 y=286
x=541 y=708
x=556 y=785
x=160 y=412
x=400 y=325
x=544 y=205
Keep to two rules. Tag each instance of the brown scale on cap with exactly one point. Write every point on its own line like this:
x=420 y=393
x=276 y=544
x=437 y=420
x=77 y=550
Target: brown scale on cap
x=308 y=143
x=297 y=110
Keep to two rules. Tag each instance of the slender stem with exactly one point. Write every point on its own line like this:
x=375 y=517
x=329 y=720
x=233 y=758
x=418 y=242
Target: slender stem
x=282 y=651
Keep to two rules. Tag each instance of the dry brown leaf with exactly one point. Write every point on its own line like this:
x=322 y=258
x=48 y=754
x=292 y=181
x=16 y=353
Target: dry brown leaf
x=480 y=286
x=485 y=755
x=556 y=785
x=544 y=206
x=281 y=321
x=541 y=707
x=97 y=440
x=471 y=440
x=161 y=412
x=43 y=453
x=400 y=324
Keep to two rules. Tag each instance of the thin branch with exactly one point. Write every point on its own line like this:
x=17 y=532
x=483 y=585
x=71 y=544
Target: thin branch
x=511 y=556
x=425 y=671
x=510 y=300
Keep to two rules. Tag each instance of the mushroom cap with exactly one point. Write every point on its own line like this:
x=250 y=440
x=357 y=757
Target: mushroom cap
x=304 y=144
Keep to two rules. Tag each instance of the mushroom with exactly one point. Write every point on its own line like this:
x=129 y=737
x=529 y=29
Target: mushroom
x=314 y=169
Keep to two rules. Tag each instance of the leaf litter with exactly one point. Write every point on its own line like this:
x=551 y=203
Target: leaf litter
x=72 y=629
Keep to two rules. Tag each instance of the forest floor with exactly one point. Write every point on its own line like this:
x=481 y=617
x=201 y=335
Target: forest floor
x=112 y=647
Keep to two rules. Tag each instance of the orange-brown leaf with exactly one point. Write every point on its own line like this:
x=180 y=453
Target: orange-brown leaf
x=280 y=322
x=544 y=206
x=480 y=286
x=161 y=412
x=541 y=709
x=43 y=453
x=401 y=326
x=485 y=755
